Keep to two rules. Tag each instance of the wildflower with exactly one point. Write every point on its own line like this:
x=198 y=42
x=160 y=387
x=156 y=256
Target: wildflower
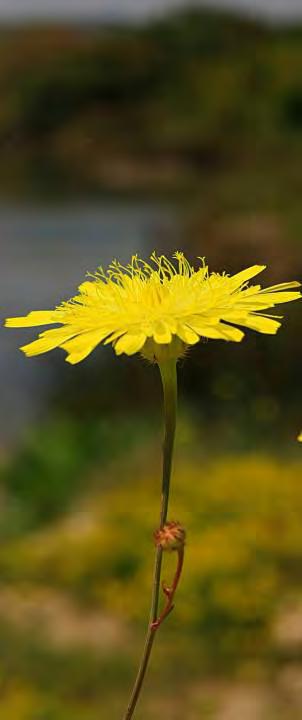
x=299 y=438
x=157 y=308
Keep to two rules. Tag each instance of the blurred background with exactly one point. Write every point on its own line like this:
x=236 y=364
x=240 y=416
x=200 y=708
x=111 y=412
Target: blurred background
x=127 y=127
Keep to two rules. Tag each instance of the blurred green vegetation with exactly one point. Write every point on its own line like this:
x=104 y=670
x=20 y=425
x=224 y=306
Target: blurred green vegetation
x=243 y=565
x=198 y=92
x=47 y=470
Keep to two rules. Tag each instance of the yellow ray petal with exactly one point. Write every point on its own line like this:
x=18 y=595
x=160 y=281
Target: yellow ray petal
x=113 y=336
x=161 y=333
x=130 y=344
x=231 y=333
x=266 y=325
x=216 y=330
x=187 y=334
x=82 y=345
x=88 y=288
x=282 y=286
x=269 y=299
x=33 y=319
x=237 y=280
x=48 y=341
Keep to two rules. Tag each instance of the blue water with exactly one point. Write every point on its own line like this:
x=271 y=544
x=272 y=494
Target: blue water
x=45 y=253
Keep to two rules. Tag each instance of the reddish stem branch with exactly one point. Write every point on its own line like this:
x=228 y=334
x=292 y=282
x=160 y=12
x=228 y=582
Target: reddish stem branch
x=170 y=591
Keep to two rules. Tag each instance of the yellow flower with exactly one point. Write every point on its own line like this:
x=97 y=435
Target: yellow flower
x=299 y=438
x=157 y=308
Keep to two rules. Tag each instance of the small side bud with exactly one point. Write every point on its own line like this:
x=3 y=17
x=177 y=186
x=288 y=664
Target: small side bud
x=171 y=537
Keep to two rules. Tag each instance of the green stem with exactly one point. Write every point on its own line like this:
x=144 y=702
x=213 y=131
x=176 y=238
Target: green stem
x=169 y=382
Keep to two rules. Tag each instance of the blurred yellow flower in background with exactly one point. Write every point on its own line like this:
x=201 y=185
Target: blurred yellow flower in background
x=156 y=308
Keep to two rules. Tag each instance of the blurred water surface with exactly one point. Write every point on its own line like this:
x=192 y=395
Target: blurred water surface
x=45 y=254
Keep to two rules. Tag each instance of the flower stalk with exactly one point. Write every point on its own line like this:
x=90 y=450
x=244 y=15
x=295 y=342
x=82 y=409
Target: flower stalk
x=169 y=382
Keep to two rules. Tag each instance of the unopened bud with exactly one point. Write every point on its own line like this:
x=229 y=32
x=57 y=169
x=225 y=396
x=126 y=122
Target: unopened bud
x=171 y=537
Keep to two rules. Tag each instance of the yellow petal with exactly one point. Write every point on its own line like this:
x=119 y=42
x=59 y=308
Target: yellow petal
x=269 y=299
x=162 y=333
x=237 y=280
x=82 y=345
x=48 y=341
x=88 y=288
x=299 y=438
x=187 y=335
x=130 y=344
x=33 y=319
x=266 y=325
x=231 y=333
x=282 y=286
x=217 y=330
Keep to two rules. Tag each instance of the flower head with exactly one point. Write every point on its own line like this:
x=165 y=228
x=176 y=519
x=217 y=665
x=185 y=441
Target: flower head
x=157 y=308
x=171 y=536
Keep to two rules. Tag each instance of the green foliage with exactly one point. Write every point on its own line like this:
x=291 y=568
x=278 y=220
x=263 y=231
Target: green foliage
x=244 y=538
x=196 y=90
x=45 y=474
x=243 y=562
